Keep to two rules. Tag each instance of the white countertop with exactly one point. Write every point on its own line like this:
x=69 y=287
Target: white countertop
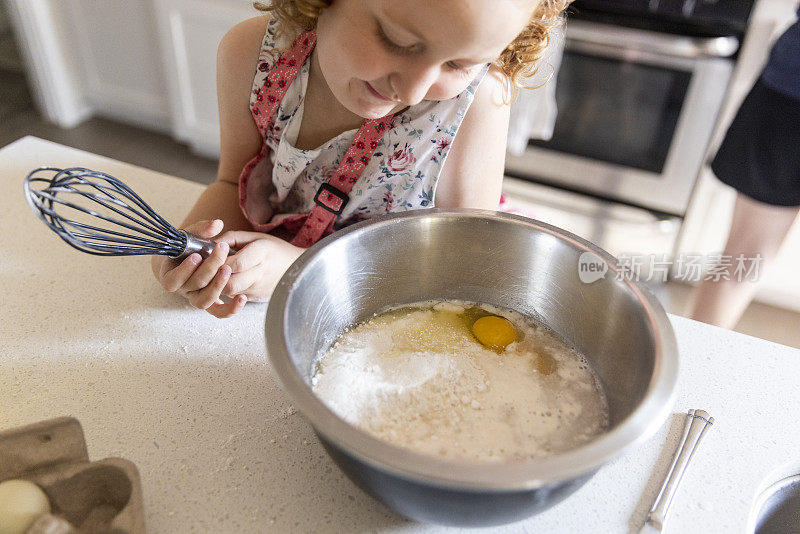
x=191 y=400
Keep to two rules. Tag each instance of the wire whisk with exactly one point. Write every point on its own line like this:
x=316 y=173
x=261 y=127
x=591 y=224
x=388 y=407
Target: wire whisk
x=99 y=214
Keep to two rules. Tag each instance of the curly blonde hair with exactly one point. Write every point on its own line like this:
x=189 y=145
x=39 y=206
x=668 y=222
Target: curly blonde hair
x=518 y=61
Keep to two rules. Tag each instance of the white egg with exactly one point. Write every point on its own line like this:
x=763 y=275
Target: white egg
x=21 y=502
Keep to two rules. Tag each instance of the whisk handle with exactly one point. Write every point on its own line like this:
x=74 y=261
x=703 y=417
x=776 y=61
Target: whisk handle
x=195 y=244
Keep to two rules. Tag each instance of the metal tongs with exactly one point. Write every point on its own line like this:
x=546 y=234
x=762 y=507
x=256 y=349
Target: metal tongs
x=697 y=422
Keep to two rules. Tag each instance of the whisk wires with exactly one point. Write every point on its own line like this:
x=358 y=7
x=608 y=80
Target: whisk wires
x=70 y=201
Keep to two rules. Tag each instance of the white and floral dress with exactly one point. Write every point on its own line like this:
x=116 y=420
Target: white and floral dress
x=400 y=176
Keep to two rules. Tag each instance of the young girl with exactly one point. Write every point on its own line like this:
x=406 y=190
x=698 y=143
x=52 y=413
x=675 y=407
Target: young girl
x=353 y=113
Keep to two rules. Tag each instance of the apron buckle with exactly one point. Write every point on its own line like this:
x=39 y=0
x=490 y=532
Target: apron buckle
x=338 y=193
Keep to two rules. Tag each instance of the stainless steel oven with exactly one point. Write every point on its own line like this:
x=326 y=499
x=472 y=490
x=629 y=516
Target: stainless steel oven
x=636 y=110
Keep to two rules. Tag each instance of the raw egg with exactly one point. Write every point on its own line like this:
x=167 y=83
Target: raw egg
x=21 y=502
x=494 y=332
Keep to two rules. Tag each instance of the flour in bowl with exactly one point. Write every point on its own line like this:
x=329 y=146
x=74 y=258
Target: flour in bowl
x=418 y=377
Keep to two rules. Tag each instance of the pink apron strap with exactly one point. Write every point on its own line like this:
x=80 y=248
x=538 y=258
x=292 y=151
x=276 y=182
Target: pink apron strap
x=283 y=73
x=332 y=197
x=269 y=97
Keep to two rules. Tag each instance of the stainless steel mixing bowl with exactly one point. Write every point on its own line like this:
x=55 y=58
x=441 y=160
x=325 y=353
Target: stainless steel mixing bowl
x=495 y=258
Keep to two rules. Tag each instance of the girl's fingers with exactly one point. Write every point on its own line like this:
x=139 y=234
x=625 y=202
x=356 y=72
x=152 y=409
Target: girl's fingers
x=212 y=228
x=248 y=257
x=241 y=282
x=206 y=271
x=173 y=277
x=227 y=309
x=237 y=239
x=205 y=229
x=209 y=295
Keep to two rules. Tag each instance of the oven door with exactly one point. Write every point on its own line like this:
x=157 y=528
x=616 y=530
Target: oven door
x=636 y=110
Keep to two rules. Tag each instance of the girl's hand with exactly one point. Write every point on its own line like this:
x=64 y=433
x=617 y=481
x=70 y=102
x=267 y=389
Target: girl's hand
x=200 y=281
x=260 y=261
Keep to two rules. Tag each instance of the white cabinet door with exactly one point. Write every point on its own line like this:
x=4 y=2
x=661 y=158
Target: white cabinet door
x=190 y=32
x=119 y=61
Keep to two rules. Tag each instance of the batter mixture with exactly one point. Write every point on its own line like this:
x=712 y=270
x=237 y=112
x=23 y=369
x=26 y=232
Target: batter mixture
x=462 y=381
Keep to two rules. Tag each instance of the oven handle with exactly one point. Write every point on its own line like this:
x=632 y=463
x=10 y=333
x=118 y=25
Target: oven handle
x=618 y=41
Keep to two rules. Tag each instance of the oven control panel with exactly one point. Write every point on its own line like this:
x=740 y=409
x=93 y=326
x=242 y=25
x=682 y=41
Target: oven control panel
x=697 y=18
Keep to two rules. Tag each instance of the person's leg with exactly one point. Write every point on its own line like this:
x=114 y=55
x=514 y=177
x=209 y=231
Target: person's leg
x=757 y=228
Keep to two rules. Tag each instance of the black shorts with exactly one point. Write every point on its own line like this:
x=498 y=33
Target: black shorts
x=760 y=155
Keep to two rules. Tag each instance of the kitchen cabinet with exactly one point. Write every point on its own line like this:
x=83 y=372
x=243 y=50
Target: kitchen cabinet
x=118 y=60
x=149 y=63
x=707 y=222
x=189 y=33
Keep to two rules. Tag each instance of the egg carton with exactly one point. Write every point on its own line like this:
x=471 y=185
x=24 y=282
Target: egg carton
x=104 y=496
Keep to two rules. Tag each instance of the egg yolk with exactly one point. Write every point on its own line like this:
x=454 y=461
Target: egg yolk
x=494 y=332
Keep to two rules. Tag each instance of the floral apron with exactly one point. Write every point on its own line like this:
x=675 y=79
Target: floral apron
x=332 y=196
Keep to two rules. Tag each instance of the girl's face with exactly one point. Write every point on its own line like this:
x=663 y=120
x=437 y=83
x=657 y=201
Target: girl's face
x=380 y=56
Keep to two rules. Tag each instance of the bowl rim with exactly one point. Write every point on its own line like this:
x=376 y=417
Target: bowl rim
x=517 y=475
